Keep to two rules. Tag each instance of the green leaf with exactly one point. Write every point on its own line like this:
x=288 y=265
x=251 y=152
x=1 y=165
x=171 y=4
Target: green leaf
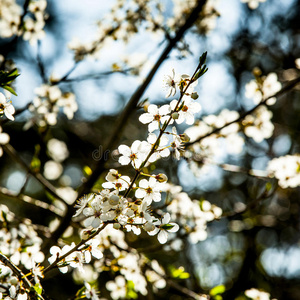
x=268 y=186
x=217 y=290
x=10 y=89
x=87 y=171
x=167 y=226
x=38 y=288
x=202 y=58
x=179 y=273
x=131 y=293
x=13 y=73
x=35 y=164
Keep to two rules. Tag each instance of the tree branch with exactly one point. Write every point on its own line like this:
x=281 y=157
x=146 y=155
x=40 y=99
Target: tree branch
x=120 y=124
x=285 y=89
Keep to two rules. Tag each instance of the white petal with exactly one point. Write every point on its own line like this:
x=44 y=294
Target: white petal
x=153 y=126
x=152 y=109
x=175 y=228
x=144 y=183
x=164 y=110
x=4 y=138
x=124 y=160
x=139 y=193
x=146 y=118
x=125 y=150
x=166 y=218
x=162 y=236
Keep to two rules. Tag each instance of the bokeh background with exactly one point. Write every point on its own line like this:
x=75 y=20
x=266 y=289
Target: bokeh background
x=258 y=247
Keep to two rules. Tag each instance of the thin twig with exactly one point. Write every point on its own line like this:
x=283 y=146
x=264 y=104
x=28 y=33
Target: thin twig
x=285 y=89
x=122 y=120
x=48 y=186
x=19 y=275
x=30 y=200
x=54 y=264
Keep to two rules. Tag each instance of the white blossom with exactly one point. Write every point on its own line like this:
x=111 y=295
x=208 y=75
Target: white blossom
x=6 y=107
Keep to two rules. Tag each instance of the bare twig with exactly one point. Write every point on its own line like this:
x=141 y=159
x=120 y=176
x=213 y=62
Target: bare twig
x=30 y=200
x=48 y=186
x=285 y=89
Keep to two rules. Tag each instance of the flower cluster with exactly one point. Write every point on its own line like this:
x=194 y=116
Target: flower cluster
x=31 y=28
x=34 y=27
x=20 y=243
x=121 y=24
x=10 y=17
x=192 y=215
x=46 y=106
x=256 y=294
x=10 y=287
x=58 y=152
x=6 y=107
x=205 y=23
x=263 y=87
x=286 y=169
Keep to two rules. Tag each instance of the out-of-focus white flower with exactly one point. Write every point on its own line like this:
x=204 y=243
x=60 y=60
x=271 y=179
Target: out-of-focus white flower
x=68 y=194
x=10 y=13
x=253 y=4
x=259 y=91
x=57 y=150
x=4 y=139
x=257 y=294
x=258 y=125
x=286 y=169
x=117 y=287
x=6 y=107
x=33 y=30
x=52 y=170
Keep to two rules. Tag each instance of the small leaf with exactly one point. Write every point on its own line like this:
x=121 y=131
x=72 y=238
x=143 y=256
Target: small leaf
x=268 y=186
x=217 y=290
x=202 y=58
x=87 y=171
x=179 y=273
x=38 y=288
x=10 y=89
x=167 y=226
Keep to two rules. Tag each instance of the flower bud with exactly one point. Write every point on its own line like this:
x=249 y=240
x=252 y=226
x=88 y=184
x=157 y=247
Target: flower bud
x=149 y=227
x=146 y=105
x=161 y=177
x=13 y=280
x=184 y=138
x=194 y=95
x=114 y=200
x=175 y=115
x=256 y=71
x=117 y=226
x=84 y=234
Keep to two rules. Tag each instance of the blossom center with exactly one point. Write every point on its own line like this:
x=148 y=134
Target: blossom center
x=157 y=117
x=149 y=190
x=185 y=108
